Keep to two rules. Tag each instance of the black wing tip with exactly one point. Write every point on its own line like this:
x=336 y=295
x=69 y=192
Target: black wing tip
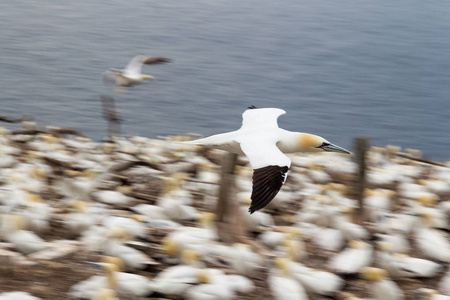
x=252 y=107
x=272 y=176
x=159 y=59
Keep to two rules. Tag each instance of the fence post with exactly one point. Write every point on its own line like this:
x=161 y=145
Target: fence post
x=226 y=185
x=361 y=145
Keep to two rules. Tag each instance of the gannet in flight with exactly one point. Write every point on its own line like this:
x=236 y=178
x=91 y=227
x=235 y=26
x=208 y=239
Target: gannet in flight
x=132 y=75
x=264 y=144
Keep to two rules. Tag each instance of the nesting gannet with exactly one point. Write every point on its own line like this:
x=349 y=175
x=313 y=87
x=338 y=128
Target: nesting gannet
x=352 y=259
x=281 y=283
x=132 y=75
x=444 y=284
x=429 y=294
x=316 y=281
x=17 y=295
x=264 y=144
x=382 y=287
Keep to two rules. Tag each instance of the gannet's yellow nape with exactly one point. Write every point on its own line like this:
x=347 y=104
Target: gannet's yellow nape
x=265 y=145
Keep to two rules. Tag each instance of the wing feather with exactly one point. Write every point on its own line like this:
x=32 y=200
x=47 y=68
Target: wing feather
x=135 y=65
x=270 y=167
x=267 y=182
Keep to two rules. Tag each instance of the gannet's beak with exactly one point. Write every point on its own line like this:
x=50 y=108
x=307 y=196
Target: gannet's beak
x=333 y=148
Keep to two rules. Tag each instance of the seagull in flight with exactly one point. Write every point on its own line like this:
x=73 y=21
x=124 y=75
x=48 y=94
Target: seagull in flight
x=265 y=145
x=132 y=75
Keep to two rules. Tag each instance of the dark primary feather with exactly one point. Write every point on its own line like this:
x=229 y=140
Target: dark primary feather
x=267 y=182
x=152 y=60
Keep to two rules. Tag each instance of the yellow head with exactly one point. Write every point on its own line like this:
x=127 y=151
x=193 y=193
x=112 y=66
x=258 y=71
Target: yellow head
x=123 y=189
x=427 y=199
x=139 y=218
x=18 y=222
x=207 y=217
x=355 y=244
x=282 y=264
x=89 y=173
x=112 y=260
x=373 y=274
x=425 y=293
x=120 y=233
x=105 y=294
x=110 y=270
x=170 y=247
x=314 y=143
x=427 y=218
x=190 y=257
x=38 y=173
x=34 y=198
x=204 y=276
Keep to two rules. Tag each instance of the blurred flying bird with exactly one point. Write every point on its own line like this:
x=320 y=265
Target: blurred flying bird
x=264 y=144
x=132 y=75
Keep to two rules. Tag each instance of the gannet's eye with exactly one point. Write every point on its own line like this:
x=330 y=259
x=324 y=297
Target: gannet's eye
x=324 y=144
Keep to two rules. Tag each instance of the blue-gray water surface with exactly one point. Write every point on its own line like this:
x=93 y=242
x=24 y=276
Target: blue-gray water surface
x=339 y=68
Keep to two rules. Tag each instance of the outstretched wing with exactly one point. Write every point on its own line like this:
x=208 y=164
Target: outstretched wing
x=270 y=167
x=134 y=67
x=261 y=118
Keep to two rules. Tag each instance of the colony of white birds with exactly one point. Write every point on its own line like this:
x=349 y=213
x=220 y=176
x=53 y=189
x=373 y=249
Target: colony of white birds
x=164 y=242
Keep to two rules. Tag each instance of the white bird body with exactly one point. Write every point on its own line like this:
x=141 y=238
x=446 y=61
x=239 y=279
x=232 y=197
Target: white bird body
x=133 y=227
x=152 y=212
x=285 y=288
x=386 y=290
x=382 y=287
x=397 y=242
x=13 y=231
x=282 y=284
x=272 y=238
x=256 y=221
x=265 y=145
x=127 y=283
x=401 y=265
x=209 y=292
x=175 y=280
x=352 y=259
x=17 y=296
x=316 y=281
x=112 y=197
x=444 y=284
x=351 y=231
x=433 y=244
x=329 y=239
x=243 y=260
x=132 y=258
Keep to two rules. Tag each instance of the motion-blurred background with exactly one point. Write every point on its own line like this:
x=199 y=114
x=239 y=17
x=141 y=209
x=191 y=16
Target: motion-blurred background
x=340 y=69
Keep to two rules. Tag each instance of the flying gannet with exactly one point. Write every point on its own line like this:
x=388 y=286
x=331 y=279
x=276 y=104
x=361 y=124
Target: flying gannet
x=132 y=75
x=264 y=144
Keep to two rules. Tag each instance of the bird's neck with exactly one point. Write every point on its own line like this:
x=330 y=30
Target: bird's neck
x=291 y=142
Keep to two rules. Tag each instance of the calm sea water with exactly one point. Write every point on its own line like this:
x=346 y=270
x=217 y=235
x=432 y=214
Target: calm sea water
x=340 y=69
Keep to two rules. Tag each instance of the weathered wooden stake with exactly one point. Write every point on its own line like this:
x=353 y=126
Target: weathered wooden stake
x=111 y=115
x=361 y=145
x=230 y=223
x=226 y=186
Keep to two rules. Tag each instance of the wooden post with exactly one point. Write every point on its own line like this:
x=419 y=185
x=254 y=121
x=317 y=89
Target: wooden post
x=226 y=185
x=230 y=223
x=361 y=145
x=111 y=115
